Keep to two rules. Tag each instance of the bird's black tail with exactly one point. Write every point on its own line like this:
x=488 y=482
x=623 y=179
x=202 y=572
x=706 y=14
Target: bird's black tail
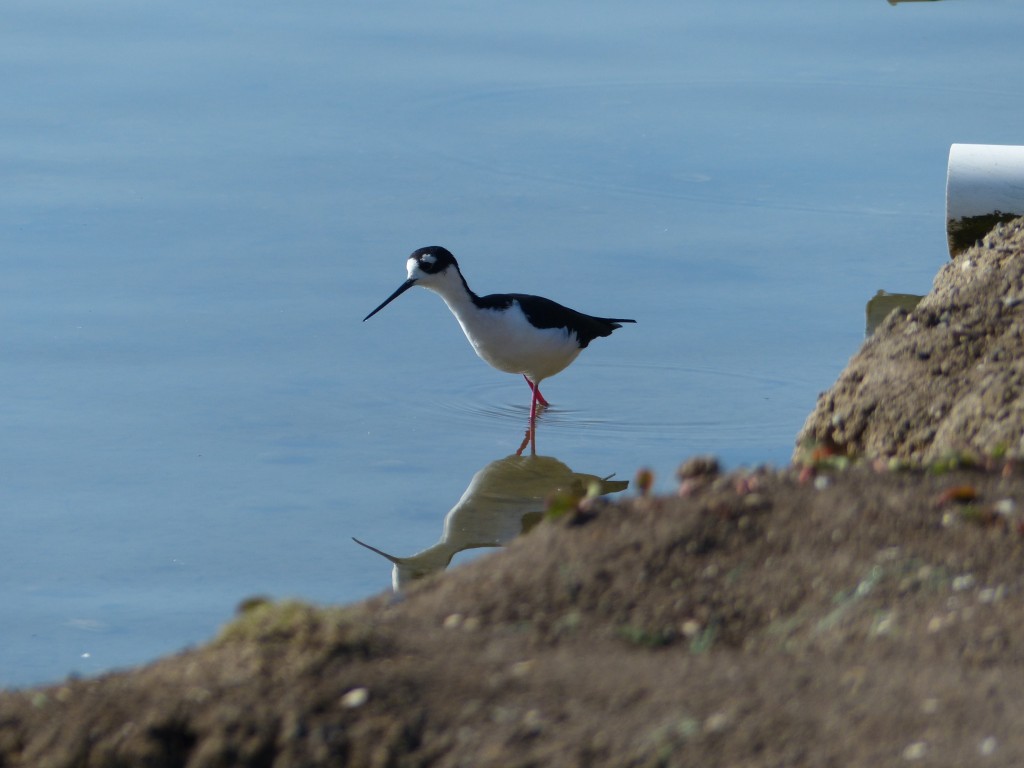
x=598 y=326
x=616 y=322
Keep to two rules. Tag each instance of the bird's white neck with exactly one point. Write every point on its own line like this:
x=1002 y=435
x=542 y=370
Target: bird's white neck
x=456 y=295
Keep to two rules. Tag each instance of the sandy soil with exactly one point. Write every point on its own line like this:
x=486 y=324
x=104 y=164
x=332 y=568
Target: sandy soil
x=860 y=608
x=945 y=378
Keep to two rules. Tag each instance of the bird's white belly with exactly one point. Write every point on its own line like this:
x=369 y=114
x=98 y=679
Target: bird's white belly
x=506 y=340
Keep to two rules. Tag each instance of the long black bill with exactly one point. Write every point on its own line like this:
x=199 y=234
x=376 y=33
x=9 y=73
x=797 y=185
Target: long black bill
x=401 y=289
x=392 y=558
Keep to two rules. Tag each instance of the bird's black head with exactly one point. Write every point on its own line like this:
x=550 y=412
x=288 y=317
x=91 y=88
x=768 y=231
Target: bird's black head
x=427 y=267
x=433 y=259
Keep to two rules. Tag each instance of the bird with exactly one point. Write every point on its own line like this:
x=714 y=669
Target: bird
x=513 y=332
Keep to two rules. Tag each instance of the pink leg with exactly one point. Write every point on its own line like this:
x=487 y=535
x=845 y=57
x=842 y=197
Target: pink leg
x=533 y=419
x=536 y=390
x=531 y=432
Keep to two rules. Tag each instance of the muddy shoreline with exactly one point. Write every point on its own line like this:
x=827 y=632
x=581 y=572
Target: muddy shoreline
x=861 y=607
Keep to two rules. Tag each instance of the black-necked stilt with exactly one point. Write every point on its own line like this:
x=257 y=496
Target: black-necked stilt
x=514 y=332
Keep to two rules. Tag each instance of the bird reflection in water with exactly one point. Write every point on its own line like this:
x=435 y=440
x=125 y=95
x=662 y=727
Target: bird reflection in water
x=504 y=499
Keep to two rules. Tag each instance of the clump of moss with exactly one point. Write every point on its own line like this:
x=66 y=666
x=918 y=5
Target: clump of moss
x=649 y=638
x=952 y=461
x=345 y=630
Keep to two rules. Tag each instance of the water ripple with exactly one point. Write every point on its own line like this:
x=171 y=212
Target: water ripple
x=664 y=400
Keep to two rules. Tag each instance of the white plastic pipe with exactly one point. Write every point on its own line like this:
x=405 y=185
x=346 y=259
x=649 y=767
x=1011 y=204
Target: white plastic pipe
x=984 y=186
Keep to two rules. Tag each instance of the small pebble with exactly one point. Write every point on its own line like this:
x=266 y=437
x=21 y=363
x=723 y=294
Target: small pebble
x=915 y=751
x=690 y=628
x=522 y=668
x=1004 y=507
x=355 y=698
x=990 y=595
x=716 y=722
x=644 y=481
x=883 y=625
x=960 y=583
x=987 y=746
x=698 y=466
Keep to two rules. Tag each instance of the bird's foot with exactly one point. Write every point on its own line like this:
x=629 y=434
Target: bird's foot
x=536 y=392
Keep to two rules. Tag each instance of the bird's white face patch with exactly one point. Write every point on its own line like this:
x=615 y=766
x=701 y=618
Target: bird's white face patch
x=423 y=268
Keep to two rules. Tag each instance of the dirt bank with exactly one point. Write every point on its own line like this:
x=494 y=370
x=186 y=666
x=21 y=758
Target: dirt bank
x=948 y=376
x=837 y=615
